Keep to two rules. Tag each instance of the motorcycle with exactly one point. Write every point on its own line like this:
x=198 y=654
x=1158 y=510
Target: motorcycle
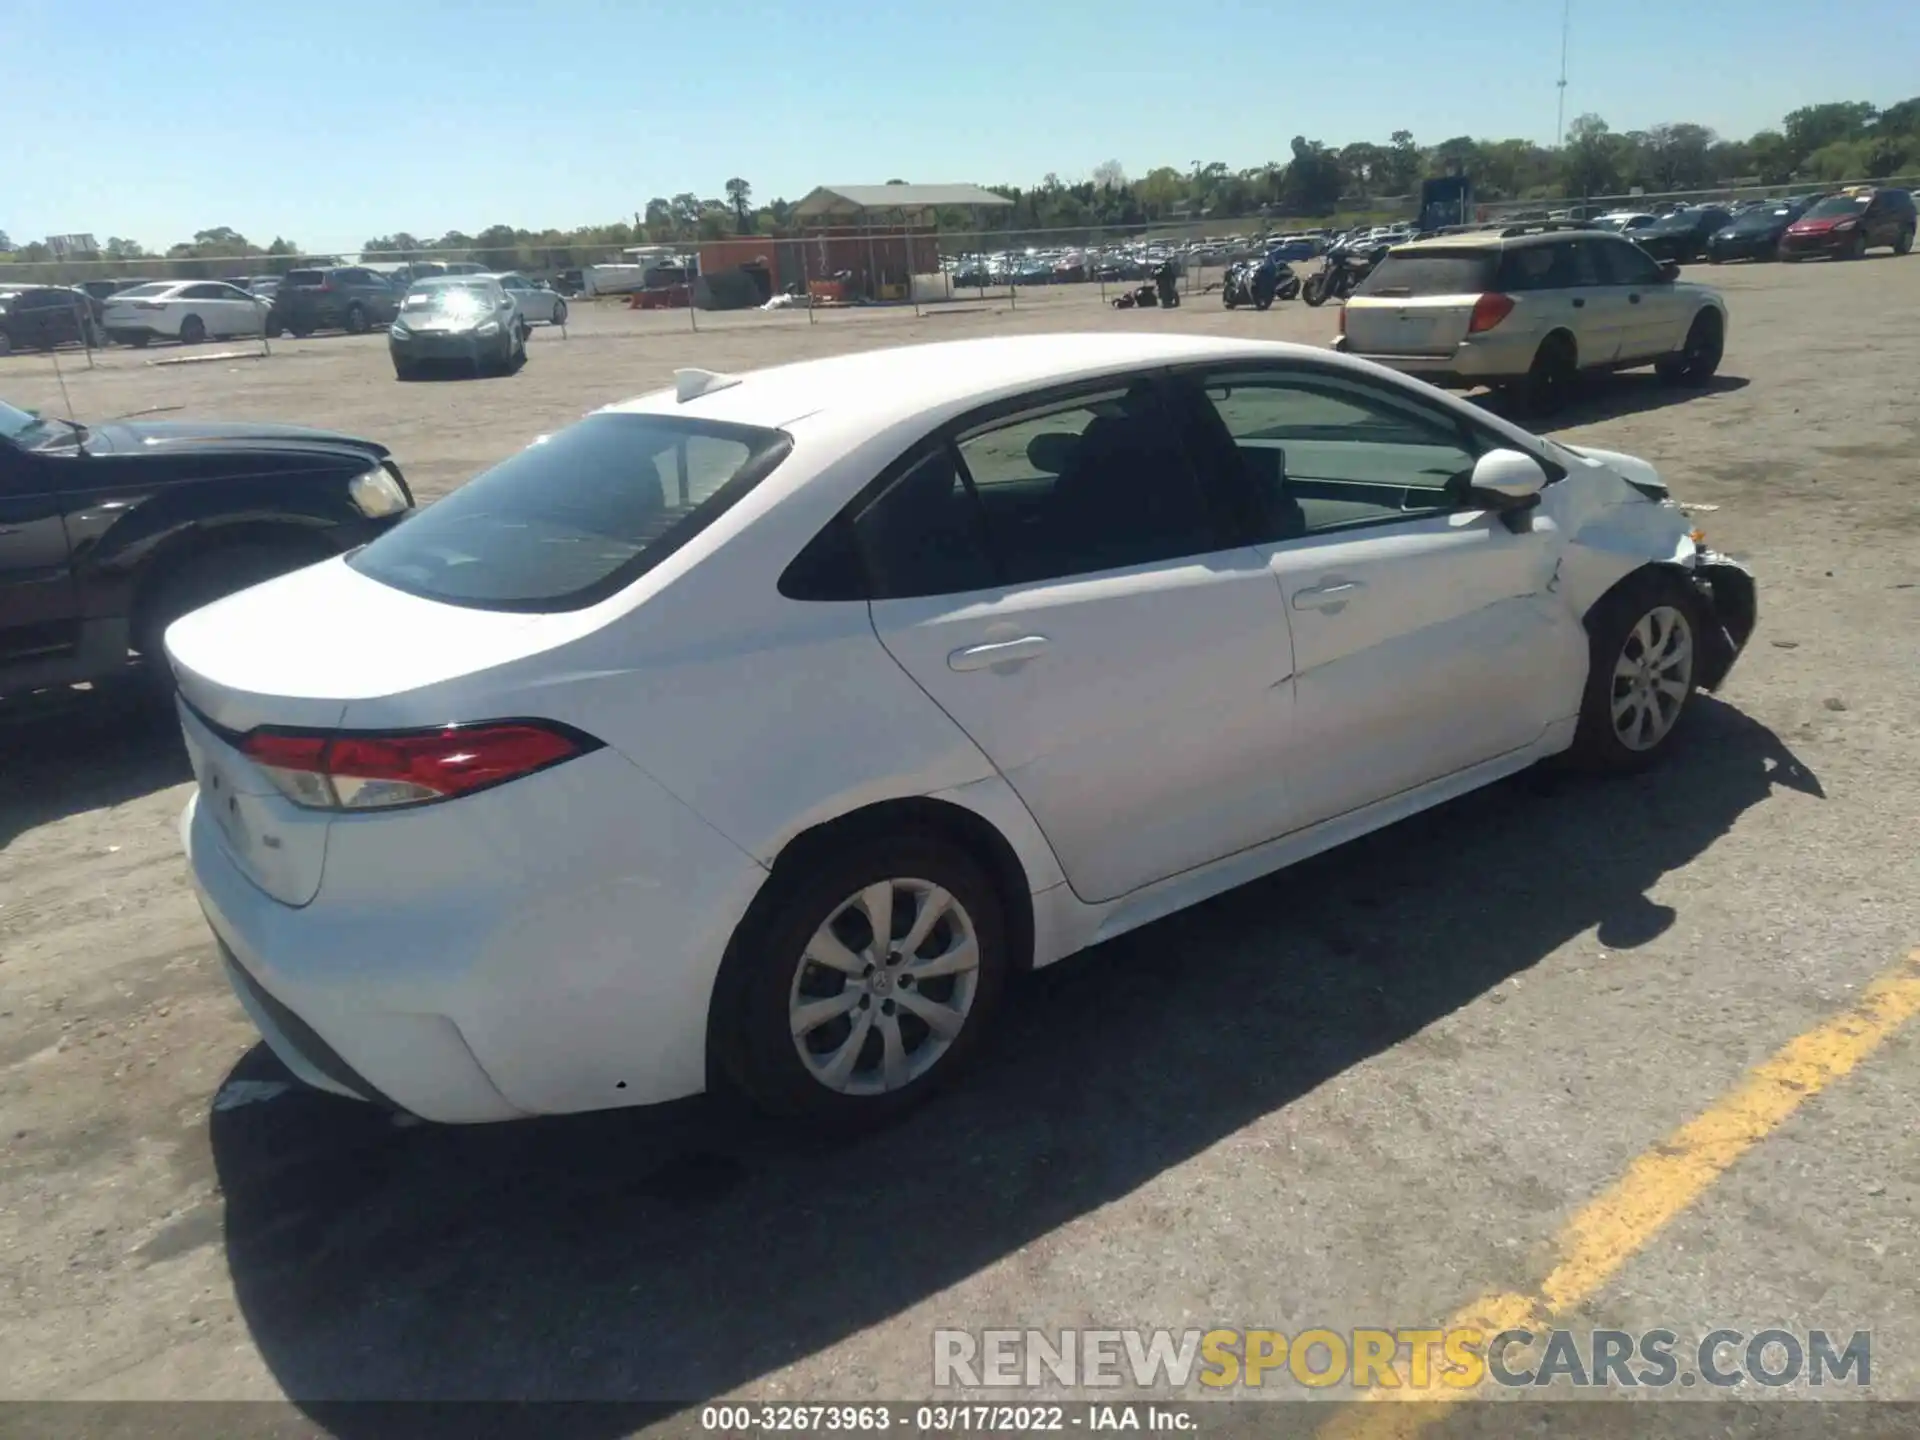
x=1258 y=283
x=1345 y=267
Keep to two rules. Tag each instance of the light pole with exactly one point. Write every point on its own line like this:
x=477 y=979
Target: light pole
x=1560 y=111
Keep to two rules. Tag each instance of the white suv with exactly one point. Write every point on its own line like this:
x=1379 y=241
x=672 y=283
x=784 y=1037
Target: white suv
x=1532 y=307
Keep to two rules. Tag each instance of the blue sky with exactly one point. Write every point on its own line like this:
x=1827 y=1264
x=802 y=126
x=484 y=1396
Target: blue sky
x=329 y=123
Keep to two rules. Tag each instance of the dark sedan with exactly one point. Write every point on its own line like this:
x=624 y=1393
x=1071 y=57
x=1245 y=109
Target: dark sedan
x=1754 y=234
x=1682 y=235
x=463 y=320
x=110 y=532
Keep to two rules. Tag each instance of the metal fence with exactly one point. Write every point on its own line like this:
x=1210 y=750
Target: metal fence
x=801 y=277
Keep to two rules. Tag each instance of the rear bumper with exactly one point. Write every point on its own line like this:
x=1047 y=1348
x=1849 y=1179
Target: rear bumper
x=550 y=946
x=1480 y=361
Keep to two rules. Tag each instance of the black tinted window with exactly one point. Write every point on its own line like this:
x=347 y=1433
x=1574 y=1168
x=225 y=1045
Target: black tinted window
x=1560 y=265
x=575 y=517
x=1624 y=263
x=306 y=277
x=1430 y=272
x=1098 y=484
x=924 y=536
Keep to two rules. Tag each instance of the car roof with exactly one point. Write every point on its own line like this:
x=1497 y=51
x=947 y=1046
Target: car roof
x=936 y=381
x=1494 y=239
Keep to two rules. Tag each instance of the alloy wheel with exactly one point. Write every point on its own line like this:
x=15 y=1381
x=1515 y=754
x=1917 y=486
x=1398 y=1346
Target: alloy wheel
x=1652 y=677
x=884 y=987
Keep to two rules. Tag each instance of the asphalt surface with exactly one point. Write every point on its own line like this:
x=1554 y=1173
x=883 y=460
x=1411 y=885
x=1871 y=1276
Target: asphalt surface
x=1359 y=1093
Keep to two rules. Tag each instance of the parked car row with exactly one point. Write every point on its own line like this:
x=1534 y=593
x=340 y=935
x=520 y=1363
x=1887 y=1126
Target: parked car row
x=136 y=312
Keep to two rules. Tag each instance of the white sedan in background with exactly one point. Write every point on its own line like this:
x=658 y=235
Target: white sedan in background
x=766 y=728
x=536 y=302
x=185 y=310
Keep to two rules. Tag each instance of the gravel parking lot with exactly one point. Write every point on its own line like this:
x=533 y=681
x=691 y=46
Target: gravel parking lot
x=1363 y=1092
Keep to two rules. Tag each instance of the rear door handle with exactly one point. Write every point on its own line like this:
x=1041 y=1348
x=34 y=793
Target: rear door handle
x=996 y=652
x=1633 y=299
x=1330 y=596
x=1579 y=304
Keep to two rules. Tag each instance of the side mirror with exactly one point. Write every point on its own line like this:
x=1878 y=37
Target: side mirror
x=1669 y=269
x=1508 y=482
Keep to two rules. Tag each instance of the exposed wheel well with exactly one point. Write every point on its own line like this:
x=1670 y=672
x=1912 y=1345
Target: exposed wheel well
x=1560 y=337
x=954 y=823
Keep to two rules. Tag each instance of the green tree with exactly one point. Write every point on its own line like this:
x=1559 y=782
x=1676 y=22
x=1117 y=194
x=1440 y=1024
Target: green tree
x=739 y=196
x=1590 y=160
x=1771 y=157
x=1403 y=165
x=1677 y=156
x=497 y=247
x=1813 y=127
x=1313 y=180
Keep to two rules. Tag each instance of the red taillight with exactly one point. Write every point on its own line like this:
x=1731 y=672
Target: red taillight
x=1488 y=311
x=413 y=767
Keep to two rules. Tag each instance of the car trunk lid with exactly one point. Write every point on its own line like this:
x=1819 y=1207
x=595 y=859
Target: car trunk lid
x=1418 y=302
x=294 y=654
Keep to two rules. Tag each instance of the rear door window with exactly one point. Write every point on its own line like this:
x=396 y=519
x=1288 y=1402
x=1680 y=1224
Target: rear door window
x=1418 y=273
x=575 y=517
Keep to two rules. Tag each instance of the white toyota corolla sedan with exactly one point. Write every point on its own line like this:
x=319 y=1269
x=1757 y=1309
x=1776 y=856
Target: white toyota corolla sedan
x=763 y=729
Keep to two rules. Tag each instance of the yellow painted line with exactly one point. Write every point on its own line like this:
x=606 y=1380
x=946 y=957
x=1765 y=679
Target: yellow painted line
x=1656 y=1187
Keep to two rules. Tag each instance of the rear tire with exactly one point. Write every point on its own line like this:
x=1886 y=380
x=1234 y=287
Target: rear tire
x=560 y=312
x=355 y=320
x=1903 y=242
x=206 y=576
x=1314 y=292
x=1700 y=357
x=1644 y=642
x=193 y=330
x=773 y=975
x=1553 y=377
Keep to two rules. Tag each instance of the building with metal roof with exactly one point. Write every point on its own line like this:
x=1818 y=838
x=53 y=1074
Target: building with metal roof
x=854 y=202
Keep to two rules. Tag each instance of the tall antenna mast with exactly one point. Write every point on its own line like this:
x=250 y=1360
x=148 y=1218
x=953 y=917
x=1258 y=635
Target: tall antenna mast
x=1560 y=112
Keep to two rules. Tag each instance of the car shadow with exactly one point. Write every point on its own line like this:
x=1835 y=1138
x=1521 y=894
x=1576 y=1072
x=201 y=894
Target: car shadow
x=677 y=1254
x=1606 y=397
x=76 y=749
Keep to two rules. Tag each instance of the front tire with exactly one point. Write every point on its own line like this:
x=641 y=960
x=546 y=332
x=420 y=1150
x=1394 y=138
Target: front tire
x=1856 y=246
x=864 y=983
x=1314 y=292
x=1903 y=242
x=560 y=312
x=355 y=320
x=1643 y=640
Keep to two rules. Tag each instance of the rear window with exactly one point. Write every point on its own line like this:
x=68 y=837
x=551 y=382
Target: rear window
x=1415 y=273
x=575 y=517
x=306 y=277
x=134 y=292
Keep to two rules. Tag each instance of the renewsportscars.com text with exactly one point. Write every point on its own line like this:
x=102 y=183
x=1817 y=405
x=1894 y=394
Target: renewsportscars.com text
x=1366 y=1359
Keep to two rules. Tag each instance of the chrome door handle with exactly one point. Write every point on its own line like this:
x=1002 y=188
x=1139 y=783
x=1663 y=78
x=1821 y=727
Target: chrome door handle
x=996 y=652
x=1330 y=596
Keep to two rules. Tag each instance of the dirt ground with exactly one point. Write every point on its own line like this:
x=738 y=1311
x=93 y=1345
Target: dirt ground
x=1365 y=1091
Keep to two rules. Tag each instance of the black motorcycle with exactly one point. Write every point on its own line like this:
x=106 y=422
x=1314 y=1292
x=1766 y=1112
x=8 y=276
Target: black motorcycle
x=1258 y=283
x=1346 y=266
